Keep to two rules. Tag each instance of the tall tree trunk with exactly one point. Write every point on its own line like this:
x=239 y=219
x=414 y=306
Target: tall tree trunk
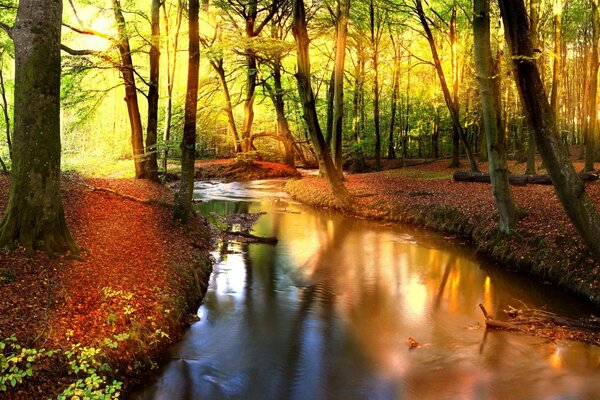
x=308 y=104
x=171 y=68
x=557 y=11
x=152 y=125
x=534 y=18
x=452 y=106
x=394 y=105
x=338 y=81
x=220 y=70
x=183 y=199
x=34 y=215
x=455 y=93
x=5 y=112
x=568 y=186
x=283 y=126
x=329 y=101
x=592 y=108
x=489 y=89
x=375 y=61
x=133 y=107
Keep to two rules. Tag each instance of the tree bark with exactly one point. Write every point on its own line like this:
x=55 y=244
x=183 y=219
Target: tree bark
x=171 y=68
x=568 y=186
x=307 y=98
x=592 y=108
x=133 y=107
x=183 y=199
x=338 y=81
x=34 y=215
x=375 y=38
x=489 y=88
x=153 y=96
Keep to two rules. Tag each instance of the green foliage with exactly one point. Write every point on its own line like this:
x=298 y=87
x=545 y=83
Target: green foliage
x=18 y=362
x=6 y=275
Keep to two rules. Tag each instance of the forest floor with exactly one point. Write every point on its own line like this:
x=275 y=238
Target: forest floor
x=120 y=305
x=544 y=242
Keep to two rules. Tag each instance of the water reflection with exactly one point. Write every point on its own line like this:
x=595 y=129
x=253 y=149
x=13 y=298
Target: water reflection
x=327 y=311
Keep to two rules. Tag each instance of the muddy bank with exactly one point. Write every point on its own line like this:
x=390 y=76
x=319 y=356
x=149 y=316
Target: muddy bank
x=544 y=243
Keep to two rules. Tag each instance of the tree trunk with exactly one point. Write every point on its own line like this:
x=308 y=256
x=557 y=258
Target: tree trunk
x=308 y=104
x=375 y=61
x=568 y=186
x=34 y=215
x=338 y=81
x=183 y=199
x=452 y=106
x=557 y=11
x=171 y=68
x=152 y=125
x=133 y=107
x=283 y=127
x=592 y=108
x=220 y=70
x=394 y=105
x=489 y=88
x=5 y=109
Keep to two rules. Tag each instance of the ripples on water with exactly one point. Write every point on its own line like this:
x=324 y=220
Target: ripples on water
x=326 y=313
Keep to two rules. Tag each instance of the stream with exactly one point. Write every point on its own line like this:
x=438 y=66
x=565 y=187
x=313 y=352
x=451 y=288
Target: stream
x=327 y=312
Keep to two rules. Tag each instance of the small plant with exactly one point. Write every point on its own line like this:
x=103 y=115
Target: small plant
x=17 y=362
x=86 y=362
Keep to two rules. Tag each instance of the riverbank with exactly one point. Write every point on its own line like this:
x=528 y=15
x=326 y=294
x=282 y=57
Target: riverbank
x=232 y=170
x=544 y=243
x=108 y=317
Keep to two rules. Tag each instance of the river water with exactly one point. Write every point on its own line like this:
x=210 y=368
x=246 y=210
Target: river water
x=327 y=312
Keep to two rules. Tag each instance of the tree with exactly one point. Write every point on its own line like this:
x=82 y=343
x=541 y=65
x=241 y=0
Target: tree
x=343 y=12
x=172 y=46
x=592 y=114
x=35 y=216
x=253 y=26
x=451 y=101
x=183 y=199
x=489 y=89
x=153 y=96
x=376 y=27
x=308 y=104
x=568 y=186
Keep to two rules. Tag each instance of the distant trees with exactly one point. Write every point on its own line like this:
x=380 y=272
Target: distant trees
x=34 y=216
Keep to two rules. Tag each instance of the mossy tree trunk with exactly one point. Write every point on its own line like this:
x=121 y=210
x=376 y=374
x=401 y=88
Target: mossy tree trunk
x=489 y=89
x=568 y=186
x=34 y=216
x=183 y=199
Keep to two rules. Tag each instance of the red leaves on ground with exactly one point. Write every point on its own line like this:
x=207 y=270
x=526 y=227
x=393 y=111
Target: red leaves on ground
x=126 y=282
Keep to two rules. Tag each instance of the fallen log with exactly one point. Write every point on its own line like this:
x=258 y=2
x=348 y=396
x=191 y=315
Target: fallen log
x=539 y=179
x=490 y=322
x=254 y=238
x=517 y=180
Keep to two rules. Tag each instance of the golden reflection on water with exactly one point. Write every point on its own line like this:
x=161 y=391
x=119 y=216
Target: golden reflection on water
x=556 y=358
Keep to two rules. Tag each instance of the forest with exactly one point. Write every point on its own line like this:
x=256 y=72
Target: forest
x=145 y=144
